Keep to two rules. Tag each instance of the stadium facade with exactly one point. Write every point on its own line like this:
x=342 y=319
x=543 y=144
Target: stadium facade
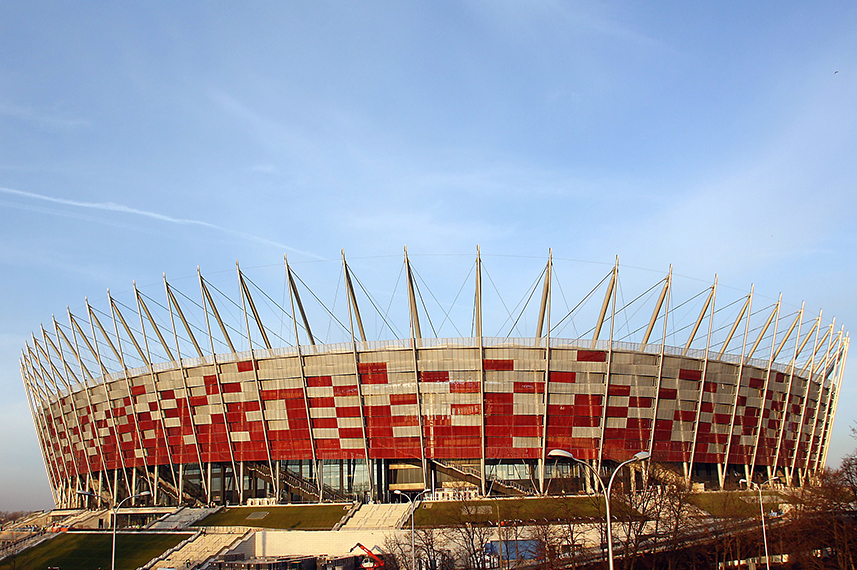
x=474 y=416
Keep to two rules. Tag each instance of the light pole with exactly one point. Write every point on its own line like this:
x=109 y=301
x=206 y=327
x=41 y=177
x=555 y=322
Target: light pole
x=115 y=509
x=639 y=456
x=750 y=484
x=413 y=506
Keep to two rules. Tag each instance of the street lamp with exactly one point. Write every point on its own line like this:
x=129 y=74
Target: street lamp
x=115 y=510
x=413 y=507
x=639 y=456
x=750 y=484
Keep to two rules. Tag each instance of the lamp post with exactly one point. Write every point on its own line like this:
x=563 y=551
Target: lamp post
x=750 y=484
x=639 y=456
x=413 y=507
x=114 y=513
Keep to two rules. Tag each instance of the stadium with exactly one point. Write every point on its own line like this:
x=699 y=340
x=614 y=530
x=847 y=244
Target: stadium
x=199 y=399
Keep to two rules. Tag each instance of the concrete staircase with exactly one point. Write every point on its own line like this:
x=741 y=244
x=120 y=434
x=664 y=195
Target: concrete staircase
x=196 y=551
x=182 y=518
x=370 y=517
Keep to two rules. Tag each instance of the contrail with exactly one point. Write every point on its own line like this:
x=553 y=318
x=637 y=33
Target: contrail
x=113 y=207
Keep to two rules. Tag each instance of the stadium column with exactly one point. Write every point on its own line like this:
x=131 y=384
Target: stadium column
x=610 y=298
x=666 y=296
x=416 y=336
x=354 y=312
x=838 y=383
x=109 y=406
x=86 y=375
x=52 y=399
x=171 y=303
x=37 y=416
x=544 y=315
x=816 y=328
x=813 y=370
x=50 y=372
x=764 y=396
x=293 y=293
x=141 y=306
x=785 y=412
x=480 y=344
x=132 y=398
x=71 y=383
x=749 y=307
x=832 y=394
x=246 y=299
x=712 y=298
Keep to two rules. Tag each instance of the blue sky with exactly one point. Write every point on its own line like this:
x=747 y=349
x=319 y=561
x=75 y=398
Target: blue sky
x=142 y=138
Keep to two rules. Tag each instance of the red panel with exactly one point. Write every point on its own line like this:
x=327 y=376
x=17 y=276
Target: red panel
x=723 y=419
x=639 y=423
x=685 y=374
x=617 y=412
x=231 y=387
x=668 y=394
x=322 y=402
x=639 y=402
x=372 y=368
x=587 y=400
x=466 y=409
x=324 y=423
x=376 y=411
x=351 y=432
x=348 y=412
x=684 y=416
x=563 y=377
x=489 y=364
x=591 y=356
x=345 y=390
x=398 y=421
x=757 y=383
x=710 y=387
x=499 y=398
x=245 y=366
x=138 y=390
x=318 y=381
x=619 y=390
x=403 y=399
x=434 y=376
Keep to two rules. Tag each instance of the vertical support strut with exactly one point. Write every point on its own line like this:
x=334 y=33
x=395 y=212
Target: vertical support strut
x=480 y=344
x=171 y=303
x=740 y=377
x=356 y=357
x=607 y=296
x=154 y=380
x=668 y=298
x=544 y=314
x=788 y=402
x=713 y=300
x=611 y=289
x=764 y=397
x=253 y=359
x=416 y=336
x=799 y=439
x=292 y=294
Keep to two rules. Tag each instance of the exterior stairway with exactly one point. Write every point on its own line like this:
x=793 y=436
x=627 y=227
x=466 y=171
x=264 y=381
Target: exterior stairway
x=472 y=476
x=378 y=516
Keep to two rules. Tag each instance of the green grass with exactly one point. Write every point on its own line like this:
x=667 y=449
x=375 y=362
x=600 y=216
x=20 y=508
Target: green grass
x=89 y=551
x=304 y=517
x=536 y=509
x=731 y=504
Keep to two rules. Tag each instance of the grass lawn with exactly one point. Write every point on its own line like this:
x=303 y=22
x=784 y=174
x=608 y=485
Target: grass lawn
x=734 y=504
x=536 y=509
x=90 y=551
x=304 y=517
